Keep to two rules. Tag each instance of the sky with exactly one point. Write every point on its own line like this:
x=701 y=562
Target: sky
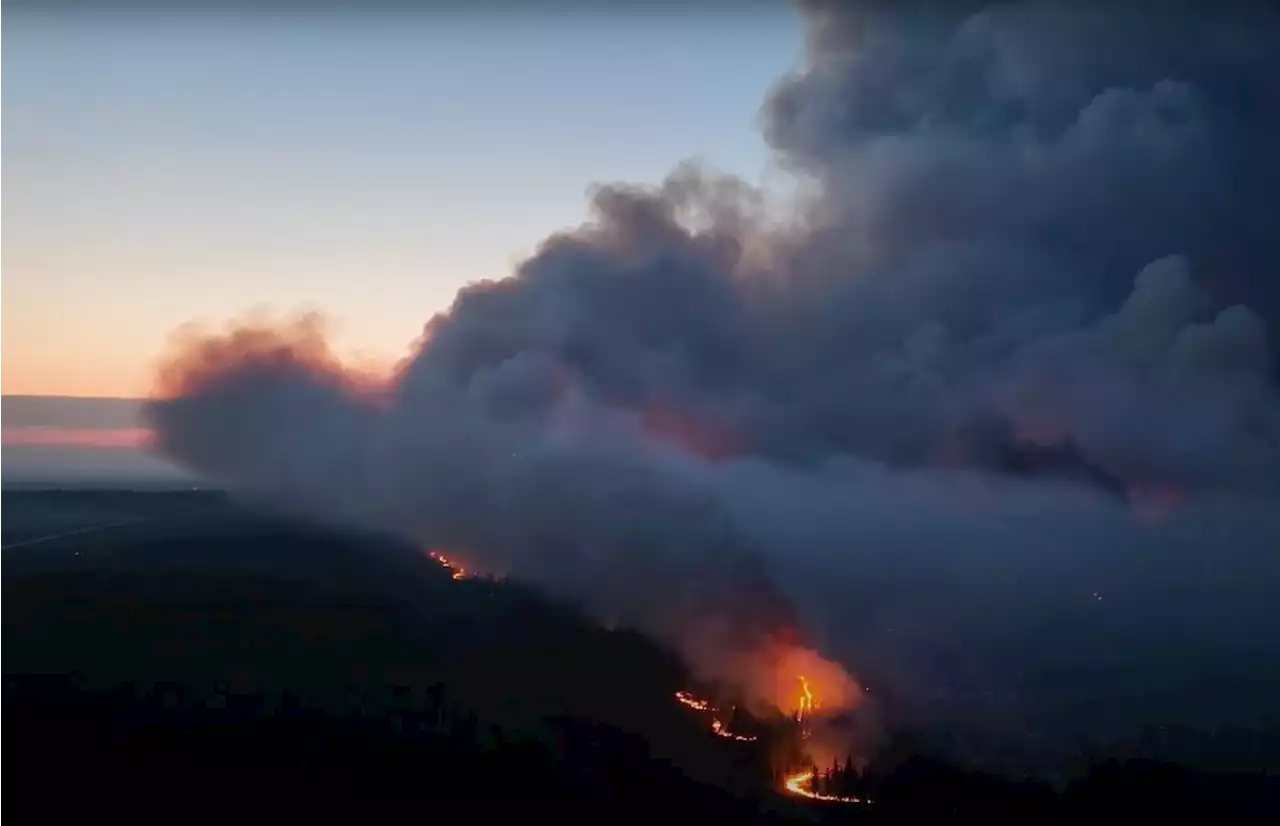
x=160 y=170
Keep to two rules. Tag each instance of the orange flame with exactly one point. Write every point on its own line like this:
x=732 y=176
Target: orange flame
x=721 y=729
x=458 y=572
x=692 y=701
x=798 y=784
x=718 y=726
x=772 y=672
x=805 y=703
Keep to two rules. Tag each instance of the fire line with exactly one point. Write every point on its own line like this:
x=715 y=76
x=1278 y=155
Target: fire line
x=456 y=570
x=718 y=726
x=798 y=784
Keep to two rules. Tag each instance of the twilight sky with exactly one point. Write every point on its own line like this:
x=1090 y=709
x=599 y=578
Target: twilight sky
x=164 y=169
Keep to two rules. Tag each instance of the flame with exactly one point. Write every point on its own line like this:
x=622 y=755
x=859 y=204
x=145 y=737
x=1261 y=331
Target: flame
x=798 y=784
x=796 y=679
x=805 y=703
x=458 y=572
x=721 y=729
x=718 y=726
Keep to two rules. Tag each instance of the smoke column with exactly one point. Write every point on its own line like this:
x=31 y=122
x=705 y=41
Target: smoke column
x=992 y=412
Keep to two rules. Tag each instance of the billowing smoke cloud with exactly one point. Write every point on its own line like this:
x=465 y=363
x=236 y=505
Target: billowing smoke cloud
x=992 y=415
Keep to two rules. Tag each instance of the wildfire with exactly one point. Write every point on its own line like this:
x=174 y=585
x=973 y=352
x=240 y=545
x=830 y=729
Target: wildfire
x=722 y=730
x=799 y=784
x=805 y=703
x=718 y=726
x=457 y=571
x=692 y=701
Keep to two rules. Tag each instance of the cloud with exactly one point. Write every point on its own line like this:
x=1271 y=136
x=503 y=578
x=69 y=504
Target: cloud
x=992 y=415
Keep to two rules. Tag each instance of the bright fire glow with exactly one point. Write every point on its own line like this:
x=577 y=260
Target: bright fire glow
x=800 y=784
x=722 y=730
x=458 y=572
x=717 y=726
x=805 y=703
x=795 y=679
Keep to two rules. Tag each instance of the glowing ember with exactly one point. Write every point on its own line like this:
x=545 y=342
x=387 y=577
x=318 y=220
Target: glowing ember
x=458 y=572
x=722 y=730
x=717 y=726
x=799 y=784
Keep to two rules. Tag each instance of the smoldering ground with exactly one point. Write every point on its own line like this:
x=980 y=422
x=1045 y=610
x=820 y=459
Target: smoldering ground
x=991 y=412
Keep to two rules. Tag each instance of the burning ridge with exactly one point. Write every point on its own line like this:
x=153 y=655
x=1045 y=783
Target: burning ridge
x=1011 y=352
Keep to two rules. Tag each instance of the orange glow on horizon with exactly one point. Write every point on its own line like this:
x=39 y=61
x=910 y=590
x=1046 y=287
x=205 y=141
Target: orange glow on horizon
x=102 y=437
x=32 y=372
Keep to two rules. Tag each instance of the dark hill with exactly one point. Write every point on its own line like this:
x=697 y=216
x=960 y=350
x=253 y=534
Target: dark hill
x=211 y=663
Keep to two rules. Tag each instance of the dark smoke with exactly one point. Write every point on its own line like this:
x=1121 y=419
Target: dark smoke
x=993 y=414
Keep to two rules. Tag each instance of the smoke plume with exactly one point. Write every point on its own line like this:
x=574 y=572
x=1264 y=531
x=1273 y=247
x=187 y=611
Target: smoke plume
x=992 y=414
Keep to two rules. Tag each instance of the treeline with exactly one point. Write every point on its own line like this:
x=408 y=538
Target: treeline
x=840 y=779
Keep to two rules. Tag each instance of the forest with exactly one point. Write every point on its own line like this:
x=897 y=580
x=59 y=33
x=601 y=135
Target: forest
x=254 y=667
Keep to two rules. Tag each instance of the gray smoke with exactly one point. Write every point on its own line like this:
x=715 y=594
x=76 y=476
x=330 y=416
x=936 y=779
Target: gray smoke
x=993 y=414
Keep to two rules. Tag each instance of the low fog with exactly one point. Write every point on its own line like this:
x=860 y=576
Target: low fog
x=988 y=413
